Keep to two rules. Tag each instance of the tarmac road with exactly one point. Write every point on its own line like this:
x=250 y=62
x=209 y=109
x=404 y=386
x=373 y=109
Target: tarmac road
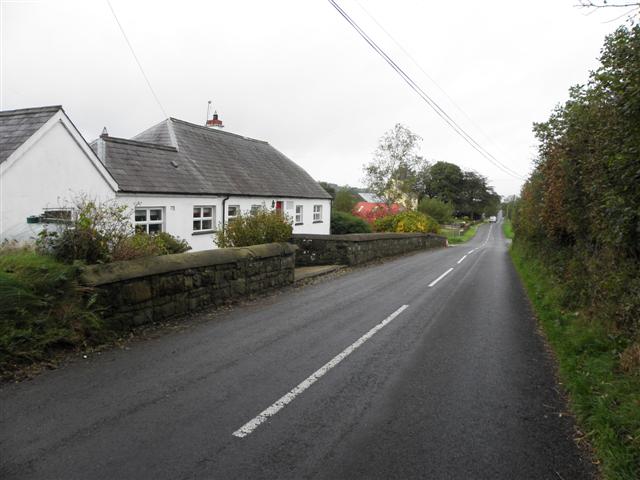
x=389 y=371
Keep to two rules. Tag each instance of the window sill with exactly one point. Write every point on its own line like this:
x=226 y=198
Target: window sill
x=318 y=221
x=203 y=232
x=296 y=224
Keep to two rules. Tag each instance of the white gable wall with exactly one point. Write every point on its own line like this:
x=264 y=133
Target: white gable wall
x=48 y=171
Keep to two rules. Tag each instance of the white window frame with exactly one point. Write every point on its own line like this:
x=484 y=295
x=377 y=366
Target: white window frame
x=299 y=215
x=231 y=217
x=255 y=209
x=202 y=218
x=145 y=223
x=317 y=214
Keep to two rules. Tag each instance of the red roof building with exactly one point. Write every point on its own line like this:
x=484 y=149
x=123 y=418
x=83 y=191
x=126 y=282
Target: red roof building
x=370 y=211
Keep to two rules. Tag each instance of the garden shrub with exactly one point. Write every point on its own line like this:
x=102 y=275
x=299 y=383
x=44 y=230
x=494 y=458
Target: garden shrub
x=94 y=233
x=262 y=226
x=407 y=221
x=342 y=222
x=102 y=233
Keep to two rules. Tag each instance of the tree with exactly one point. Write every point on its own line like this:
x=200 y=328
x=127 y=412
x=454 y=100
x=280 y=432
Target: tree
x=392 y=174
x=344 y=201
x=436 y=208
x=328 y=188
x=444 y=181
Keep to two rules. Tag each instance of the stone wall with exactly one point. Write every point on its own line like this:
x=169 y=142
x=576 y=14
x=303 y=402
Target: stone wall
x=356 y=248
x=149 y=289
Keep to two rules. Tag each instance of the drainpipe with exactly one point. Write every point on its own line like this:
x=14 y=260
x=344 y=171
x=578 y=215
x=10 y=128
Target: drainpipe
x=224 y=211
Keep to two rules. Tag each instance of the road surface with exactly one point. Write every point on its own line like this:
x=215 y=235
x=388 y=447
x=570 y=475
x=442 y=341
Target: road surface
x=425 y=366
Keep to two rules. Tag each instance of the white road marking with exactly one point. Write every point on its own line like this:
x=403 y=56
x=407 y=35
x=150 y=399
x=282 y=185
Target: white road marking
x=460 y=261
x=279 y=404
x=441 y=277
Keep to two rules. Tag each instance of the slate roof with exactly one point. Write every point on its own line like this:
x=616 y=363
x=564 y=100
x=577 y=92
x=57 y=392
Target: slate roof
x=175 y=156
x=16 y=126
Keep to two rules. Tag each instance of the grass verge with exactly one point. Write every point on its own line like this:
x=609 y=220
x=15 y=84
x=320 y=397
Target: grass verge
x=454 y=237
x=604 y=398
x=43 y=310
x=507 y=228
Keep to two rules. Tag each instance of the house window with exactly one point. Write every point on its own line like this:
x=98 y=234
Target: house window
x=232 y=212
x=317 y=213
x=56 y=215
x=255 y=209
x=204 y=218
x=149 y=220
x=298 y=214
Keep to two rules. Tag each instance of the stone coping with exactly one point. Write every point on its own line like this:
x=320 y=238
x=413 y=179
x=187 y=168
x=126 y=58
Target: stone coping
x=95 y=275
x=364 y=237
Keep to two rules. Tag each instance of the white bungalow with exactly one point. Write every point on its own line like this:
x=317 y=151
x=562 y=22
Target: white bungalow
x=177 y=177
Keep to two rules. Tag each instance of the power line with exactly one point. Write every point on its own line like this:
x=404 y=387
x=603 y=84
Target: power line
x=415 y=62
x=137 y=61
x=426 y=98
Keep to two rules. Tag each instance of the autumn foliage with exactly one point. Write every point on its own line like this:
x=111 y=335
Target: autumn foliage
x=581 y=204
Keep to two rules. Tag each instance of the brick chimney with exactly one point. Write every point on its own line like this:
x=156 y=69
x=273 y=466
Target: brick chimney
x=215 y=122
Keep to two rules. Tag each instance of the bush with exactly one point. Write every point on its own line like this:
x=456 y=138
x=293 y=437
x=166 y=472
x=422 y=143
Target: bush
x=94 y=233
x=441 y=211
x=42 y=309
x=144 y=245
x=171 y=244
x=102 y=233
x=263 y=226
x=407 y=221
x=342 y=222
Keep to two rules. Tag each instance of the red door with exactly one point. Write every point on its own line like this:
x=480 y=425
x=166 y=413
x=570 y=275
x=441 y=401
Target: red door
x=279 y=206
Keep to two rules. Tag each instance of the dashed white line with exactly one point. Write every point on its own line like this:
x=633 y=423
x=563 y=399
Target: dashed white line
x=279 y=404
x=441 y=277
x=460 y=261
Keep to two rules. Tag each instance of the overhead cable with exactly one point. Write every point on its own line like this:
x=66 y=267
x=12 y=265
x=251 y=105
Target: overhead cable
x=426 y=98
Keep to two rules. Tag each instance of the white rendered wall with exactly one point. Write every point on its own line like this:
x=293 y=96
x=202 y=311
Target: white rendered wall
x=49 y=174
x=178 y=213
x=308 y=226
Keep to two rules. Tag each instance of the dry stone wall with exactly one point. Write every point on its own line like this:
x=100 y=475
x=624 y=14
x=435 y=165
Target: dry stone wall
x=150 y=289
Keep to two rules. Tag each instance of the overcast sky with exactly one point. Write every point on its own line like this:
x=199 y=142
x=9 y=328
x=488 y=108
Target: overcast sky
x=296 y=74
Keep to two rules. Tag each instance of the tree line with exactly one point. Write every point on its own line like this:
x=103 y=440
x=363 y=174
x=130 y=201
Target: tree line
x=399 y=174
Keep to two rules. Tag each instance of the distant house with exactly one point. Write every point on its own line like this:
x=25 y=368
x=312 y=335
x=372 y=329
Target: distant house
x=177 y=177
x=370 y=197
x=371 y=211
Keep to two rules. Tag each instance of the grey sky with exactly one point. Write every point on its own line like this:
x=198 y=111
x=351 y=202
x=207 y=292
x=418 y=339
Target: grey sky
x=294 y=73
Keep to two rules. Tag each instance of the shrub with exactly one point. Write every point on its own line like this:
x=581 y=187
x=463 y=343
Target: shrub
x=441 y=211
x=145 y=245
x=96 y=230
x=407 y=221
x=171 y=244
x=263 y=226
x=342 y=222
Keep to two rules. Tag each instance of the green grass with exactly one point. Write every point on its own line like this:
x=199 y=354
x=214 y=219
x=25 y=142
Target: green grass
x=42 y=310
x=507 y=228
x=454 y=237
x=604 y=399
